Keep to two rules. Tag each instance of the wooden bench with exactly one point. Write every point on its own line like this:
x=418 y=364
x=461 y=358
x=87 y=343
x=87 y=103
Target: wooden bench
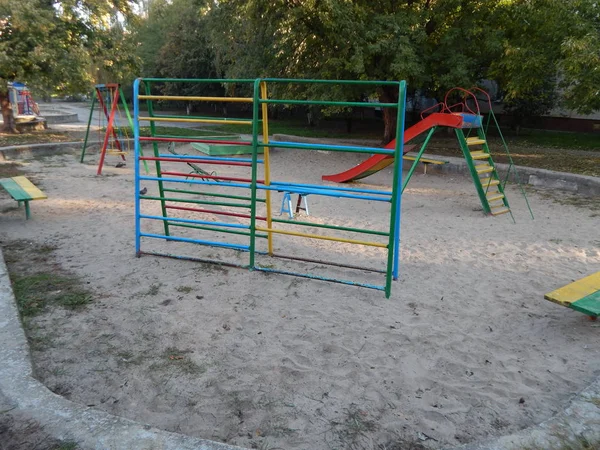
x=582 y=295
x=22 y=190
x=425 y=161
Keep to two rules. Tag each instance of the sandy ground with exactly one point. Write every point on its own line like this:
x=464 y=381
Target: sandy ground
x=465 y=348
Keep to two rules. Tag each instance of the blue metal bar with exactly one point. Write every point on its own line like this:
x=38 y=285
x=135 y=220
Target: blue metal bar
x=338 y=148
x=199 y=222
x=195 y=241
x=335 y=188
x=207 y=158
x=398 y=173
x=318 y=277
x=323 y=192
x=189 y=258
x=400 y=148
x=253 y=184
x=136 y=135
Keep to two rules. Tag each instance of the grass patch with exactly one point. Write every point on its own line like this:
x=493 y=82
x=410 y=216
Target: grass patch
x=67 y=446
x=153 y=290
x=184 y=289
x=355 y=428
x=580 y=443
x=35 y=137
x=35 y=292
x=566 y=199
x=37 y=282
x=177 y=131
x=567 y=159
x=174 y=359
x=558 y=139
x=300 y=128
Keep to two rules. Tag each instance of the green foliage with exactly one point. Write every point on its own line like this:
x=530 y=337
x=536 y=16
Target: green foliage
x=64 y=46
x=550 y=46
x=174 y=43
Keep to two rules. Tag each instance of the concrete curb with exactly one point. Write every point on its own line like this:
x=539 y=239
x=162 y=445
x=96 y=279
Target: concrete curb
x=580 y=184
x=61 y=418
x=580 y=420
x=14 y=152
x=61 y=118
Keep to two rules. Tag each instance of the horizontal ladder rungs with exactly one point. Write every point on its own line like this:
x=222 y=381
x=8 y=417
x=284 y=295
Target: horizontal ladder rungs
x=493 y=196
x=487 y=184
x=484 y=168
x=116 y=152
x=480 y=155
x=475 y=141
x=499 y=210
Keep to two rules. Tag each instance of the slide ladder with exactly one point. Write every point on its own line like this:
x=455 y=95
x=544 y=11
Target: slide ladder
x=483 y=171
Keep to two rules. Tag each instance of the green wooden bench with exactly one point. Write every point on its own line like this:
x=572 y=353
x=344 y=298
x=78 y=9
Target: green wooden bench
x=22 y=190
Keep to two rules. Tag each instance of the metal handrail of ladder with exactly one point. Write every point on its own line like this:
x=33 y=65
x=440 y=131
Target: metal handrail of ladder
x=511 y=165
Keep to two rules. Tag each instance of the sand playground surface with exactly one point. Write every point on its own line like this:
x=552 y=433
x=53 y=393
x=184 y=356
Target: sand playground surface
x=465 y=348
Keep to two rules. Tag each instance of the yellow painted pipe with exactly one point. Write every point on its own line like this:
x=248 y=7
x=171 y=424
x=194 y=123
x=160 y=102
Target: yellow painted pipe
x=196 y=99
x=220 y=122
x=325 y=238
x=267 y=164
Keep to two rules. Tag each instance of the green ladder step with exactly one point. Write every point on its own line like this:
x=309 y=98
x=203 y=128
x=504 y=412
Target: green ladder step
x=487 y=184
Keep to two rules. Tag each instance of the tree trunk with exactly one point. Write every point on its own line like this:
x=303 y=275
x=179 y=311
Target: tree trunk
x=389 y=94
x=7 y=115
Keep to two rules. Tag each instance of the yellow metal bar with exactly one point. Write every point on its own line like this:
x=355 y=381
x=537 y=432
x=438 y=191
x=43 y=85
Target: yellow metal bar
x=575 y=291
x=220 y=122
x=325 y=238
x=196 y=99
x=424 y=160
x=30 y=188
x=265 y=121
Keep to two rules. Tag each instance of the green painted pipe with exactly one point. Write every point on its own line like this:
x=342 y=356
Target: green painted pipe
x=221 y=230
x=331 y=227
x=211 y=194
x=198 y=202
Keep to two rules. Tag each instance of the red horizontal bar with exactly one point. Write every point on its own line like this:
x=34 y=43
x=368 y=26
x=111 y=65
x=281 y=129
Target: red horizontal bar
x=235 y=163
x=214 y=177
x=209 y=211
x=204 y=141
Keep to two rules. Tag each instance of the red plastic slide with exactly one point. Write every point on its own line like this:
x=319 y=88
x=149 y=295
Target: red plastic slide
x=377 y=162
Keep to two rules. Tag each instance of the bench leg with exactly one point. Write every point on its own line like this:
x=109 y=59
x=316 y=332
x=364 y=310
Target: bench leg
x=27 y=212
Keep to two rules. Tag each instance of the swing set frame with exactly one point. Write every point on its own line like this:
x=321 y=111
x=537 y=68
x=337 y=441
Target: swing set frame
x=108 y=95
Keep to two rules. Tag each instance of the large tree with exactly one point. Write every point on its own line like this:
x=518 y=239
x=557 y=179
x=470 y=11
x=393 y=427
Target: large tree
x=173 y=43
x=61 y=45
x=434 y=45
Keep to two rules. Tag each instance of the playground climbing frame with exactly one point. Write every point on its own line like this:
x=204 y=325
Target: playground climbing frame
x=249 y=213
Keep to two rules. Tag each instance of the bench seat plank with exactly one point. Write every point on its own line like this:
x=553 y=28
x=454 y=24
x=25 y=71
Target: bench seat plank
x=15 y=191
x=33 y=192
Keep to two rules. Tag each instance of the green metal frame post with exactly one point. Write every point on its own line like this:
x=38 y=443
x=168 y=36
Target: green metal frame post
x=87 y=131
x=396 y=192
x=255 y=123
x=421 y=151
x=161 y=189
